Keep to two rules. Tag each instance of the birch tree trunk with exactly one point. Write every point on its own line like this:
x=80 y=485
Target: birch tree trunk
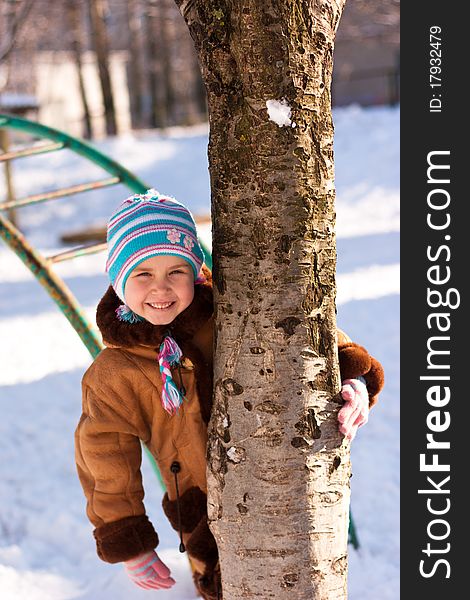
x=278 y=472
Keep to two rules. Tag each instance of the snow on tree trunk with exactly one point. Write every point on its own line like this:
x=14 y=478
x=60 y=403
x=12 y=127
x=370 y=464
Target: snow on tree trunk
x=278 y=472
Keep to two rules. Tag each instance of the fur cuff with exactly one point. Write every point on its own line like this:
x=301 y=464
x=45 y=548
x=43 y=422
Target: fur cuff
x=125 y=539
x=374 y=380
x=355 y=361
x=193 y=506
x=209 y=584
x=202 y=545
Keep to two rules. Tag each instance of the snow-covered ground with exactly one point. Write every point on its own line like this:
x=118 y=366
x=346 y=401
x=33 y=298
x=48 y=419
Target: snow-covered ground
x=46 y=548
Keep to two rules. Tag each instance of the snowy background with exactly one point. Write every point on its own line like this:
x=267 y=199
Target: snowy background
x=47 y=551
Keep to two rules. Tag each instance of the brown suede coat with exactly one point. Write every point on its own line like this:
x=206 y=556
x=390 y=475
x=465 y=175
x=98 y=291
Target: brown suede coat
x=122 y=407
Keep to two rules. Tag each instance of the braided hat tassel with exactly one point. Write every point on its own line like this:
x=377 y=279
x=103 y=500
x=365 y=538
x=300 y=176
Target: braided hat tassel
x=169 y=355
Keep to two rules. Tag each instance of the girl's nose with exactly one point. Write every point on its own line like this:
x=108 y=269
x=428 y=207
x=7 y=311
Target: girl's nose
x=160 y=283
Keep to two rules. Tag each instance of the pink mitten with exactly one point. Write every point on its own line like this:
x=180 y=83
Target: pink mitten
x=355 y=410
x=149 y=572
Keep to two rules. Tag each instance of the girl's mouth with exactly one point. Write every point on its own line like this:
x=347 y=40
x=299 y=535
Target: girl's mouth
x=160 y=305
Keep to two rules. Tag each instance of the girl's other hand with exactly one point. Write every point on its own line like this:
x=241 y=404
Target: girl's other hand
x=355 y=411
x=149 y=572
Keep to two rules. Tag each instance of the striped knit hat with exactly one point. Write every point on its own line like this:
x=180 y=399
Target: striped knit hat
x=147 y=225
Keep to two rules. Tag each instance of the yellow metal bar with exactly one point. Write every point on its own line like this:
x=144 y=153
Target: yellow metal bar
x=31 y=151
x=4 y=145
x=80 y=251
x=75 y=189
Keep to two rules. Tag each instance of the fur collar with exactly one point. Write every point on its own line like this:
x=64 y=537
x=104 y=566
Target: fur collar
x=127 y=335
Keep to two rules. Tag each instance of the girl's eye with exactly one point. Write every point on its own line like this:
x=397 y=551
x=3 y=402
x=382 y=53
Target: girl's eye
x=176 y=271
x=143 y=274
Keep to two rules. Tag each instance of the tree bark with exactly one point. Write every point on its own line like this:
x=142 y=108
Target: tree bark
x=278 y=470
x=101 y=45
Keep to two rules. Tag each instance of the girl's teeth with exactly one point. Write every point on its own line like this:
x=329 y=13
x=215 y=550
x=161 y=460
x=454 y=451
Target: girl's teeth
x=166 y=305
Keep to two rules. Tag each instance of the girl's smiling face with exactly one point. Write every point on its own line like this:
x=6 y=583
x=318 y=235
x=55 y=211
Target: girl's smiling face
x=160 y=288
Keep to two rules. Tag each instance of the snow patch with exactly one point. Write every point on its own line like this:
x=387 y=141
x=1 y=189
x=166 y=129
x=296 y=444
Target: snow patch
x=236 y=454
x=47 y=333
x=47 y=550
x=37 y=585
x=368 y=283
x=280 y=113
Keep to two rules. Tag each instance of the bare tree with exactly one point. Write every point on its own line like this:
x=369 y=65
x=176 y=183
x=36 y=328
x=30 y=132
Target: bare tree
x=156 y=109
x=15 y=14
x=278 y=473
x=135 y=80
x=365 y=19
x=164 y=51
x=100 y=43
x=199 y=90
x=190 y=95
x=76 y=35
x=159 y=63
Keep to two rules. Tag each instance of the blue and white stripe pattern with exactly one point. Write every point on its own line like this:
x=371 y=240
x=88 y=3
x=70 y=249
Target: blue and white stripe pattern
x=147 y=225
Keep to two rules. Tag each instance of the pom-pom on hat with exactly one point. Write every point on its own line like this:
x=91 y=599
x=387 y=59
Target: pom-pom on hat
x=147 y=225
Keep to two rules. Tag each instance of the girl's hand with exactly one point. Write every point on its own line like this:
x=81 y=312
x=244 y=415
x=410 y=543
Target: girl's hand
x=149 y=572
x=355 y=411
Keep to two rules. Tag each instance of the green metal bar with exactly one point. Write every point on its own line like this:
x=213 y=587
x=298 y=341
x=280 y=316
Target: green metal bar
x=352 y=533
x=37 y=264
x=78 y=146
x=62 y=193
x=87 y=151
x=40 y=266
x=61 y=295
x=207 y=256
x=54 y=286
x=32 y=151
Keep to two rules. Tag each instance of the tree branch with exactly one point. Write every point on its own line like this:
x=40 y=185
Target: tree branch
x=18 y=21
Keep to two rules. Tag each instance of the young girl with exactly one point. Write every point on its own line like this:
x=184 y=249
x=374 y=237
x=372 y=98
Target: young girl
x=156 y=320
